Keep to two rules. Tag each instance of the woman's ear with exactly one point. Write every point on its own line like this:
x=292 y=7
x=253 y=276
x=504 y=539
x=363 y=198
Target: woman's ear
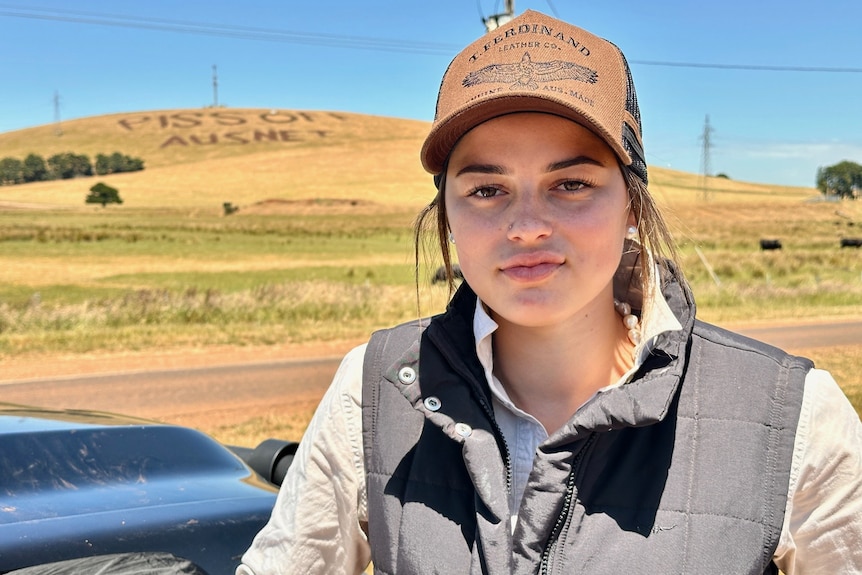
x=631 y=220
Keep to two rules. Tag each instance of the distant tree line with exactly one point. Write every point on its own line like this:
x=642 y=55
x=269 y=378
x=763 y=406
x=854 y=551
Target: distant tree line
x=844 y=180
x=35 y=168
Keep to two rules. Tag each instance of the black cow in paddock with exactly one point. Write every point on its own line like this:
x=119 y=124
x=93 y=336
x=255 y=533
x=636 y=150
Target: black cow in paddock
x=851 y=242
x=440 y=274
x=768 y=245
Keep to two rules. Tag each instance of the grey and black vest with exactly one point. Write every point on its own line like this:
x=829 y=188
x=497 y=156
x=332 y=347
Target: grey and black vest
x=682 y=470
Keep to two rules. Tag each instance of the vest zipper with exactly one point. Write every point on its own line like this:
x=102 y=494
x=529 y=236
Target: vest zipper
x=501 y=439
x=489 y=411
x=563 y=521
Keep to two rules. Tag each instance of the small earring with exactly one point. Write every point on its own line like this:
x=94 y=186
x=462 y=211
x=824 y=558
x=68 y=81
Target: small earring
x=451 y=238
x=632 y=232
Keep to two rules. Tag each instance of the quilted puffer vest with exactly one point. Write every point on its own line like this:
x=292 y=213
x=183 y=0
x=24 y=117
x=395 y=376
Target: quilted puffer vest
x=682 y=470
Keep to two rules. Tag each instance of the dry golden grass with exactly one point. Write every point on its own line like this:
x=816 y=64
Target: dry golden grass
x=54 y=270
x=289 y=423
x=194 y=159
x=293 y=155
x=672 y=187
x=843 y=363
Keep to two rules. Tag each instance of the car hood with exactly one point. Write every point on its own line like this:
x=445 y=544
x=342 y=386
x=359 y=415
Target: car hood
x=56 y=463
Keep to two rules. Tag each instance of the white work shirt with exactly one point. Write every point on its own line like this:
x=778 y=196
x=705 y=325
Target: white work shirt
x=316 y=525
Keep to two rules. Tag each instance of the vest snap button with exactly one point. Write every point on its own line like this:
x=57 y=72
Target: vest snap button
x=432 y=403
x=407 y=375
x=463 y=429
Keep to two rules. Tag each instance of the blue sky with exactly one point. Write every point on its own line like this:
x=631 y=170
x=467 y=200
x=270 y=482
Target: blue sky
x=386 y=58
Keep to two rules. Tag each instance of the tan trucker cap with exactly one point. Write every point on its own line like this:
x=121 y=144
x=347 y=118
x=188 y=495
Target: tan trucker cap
x=535 y=63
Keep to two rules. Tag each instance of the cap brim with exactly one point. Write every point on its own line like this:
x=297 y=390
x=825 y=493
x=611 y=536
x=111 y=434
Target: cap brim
x=446 y=132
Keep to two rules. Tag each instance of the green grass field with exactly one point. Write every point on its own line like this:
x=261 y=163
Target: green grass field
x=321 y=247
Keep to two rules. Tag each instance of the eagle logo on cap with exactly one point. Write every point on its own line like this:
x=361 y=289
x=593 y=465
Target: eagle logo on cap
x=526 y=73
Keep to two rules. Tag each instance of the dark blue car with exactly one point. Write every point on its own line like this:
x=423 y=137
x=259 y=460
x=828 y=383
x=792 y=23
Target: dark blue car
x=84 y=492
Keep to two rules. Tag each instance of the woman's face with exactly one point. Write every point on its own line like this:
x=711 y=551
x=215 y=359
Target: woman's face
x=538 y=209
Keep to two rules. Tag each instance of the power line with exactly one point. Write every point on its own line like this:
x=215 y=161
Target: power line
x=553 y=9
x=225 y=30
x=331 y=40
x=748 y=67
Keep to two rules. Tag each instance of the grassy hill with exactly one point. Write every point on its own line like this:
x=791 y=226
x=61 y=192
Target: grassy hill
x=201 y=158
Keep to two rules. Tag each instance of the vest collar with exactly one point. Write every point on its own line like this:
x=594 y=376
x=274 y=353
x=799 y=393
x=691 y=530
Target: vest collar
x=644 y=400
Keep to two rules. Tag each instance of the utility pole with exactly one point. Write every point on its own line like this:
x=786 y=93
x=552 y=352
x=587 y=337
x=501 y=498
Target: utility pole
x=58 y=129
x=494 y=21
x=705 y=158
x=215 y=86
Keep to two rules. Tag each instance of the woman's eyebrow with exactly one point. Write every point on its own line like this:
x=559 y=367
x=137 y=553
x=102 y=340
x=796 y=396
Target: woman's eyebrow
x=574 y=162
x=481 y=169
x=496 y=169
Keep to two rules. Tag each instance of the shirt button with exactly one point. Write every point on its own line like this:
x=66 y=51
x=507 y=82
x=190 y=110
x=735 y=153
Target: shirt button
x=432 y=403
x=463 y=429
x=407 y=375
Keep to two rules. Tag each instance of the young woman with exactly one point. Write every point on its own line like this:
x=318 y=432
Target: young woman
x=568 y=412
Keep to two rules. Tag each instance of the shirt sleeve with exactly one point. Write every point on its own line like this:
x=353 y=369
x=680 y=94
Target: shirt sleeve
x=315 y=526
x=822 y=531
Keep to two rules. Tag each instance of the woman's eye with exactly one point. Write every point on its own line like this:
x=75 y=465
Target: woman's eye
x=485 y=192
x=573 y=186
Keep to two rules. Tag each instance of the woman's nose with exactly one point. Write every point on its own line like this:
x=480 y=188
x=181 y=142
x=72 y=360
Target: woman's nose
x=528 y=219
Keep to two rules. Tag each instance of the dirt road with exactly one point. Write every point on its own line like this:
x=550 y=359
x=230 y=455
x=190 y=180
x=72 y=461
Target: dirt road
x=205 y=391
x=202 y=389
x=203 y=397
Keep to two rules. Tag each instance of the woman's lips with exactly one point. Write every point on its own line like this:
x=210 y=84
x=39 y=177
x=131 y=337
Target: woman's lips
x=532 y=267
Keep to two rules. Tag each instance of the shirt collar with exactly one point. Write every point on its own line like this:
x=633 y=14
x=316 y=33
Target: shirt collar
x=660 y=319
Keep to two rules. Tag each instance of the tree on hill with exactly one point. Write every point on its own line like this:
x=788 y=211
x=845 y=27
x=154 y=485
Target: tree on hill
x=103 y=194
x=69 y=165
x=81 y=165
x=844 y=179
x=35 y=168
x=60 y=167
x=102 y=166
x=64 y=166
x=11 y=171
x=116 y=163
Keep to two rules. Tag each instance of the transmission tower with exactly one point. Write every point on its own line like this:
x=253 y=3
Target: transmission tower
x=494 y=21
x=215 y=86
x=58 y=129
x=705 y=159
